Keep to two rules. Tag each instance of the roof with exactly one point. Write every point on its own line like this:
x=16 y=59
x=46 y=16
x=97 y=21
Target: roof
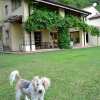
x=91 y=9
x=66 y=7
x=95 y=17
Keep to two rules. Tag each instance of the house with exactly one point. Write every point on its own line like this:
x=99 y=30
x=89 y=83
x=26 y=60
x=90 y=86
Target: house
x=94 y=20
x=15 y=38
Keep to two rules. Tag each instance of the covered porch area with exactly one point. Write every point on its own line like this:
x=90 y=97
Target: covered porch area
x=78 y=38
x=41 y=39
x=45 y=39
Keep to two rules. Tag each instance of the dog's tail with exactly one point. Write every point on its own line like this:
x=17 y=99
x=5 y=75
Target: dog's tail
x=14 y=77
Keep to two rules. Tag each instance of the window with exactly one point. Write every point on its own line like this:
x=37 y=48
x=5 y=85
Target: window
x=15 y=4
x=6 y=9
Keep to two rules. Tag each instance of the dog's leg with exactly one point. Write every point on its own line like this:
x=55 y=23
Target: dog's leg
x=41 y=98
x=18 y=94
x=26 y=98
x=34 y=98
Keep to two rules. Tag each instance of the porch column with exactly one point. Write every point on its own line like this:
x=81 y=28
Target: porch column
x=33 y=41
x=82 y=39
x=27 y=42
x=62 y=12
x=26 y=35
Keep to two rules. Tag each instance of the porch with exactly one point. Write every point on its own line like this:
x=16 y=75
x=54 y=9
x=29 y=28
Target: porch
x=40 y=40
x=78 y=38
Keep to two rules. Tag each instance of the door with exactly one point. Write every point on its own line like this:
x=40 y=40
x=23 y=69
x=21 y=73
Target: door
x=38 y=39
x=87 y=38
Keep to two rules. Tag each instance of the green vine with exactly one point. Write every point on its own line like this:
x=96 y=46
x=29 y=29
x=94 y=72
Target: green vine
x=94 y=31
x=63 y=38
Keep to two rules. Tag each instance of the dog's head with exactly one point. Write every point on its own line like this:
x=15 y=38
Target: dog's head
x=40 y=84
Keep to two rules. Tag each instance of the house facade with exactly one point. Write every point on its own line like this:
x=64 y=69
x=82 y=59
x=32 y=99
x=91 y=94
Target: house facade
x=94 y=20
x=15 y=38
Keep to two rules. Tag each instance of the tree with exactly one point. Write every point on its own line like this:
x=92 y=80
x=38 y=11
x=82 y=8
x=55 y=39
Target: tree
x=81 y=3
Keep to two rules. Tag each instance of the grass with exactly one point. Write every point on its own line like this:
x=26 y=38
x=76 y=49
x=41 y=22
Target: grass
x=75 y=74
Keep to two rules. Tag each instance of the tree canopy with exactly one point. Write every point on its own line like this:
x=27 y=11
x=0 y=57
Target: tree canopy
x=81 y=3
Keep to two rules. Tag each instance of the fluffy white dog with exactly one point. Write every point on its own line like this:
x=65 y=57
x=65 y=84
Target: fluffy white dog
x=32 y=90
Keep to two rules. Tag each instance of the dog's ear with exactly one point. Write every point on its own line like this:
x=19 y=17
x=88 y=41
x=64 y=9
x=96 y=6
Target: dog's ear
x=46 y=82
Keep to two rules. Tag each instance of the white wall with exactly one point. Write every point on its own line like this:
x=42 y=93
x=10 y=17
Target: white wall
x=6 y=42
x=45 y=36
x=93 y=22
x=18 y=11
x=93 y=40
x=1 y=11
x=16 y=31
x=17 y=36
x=92 y=10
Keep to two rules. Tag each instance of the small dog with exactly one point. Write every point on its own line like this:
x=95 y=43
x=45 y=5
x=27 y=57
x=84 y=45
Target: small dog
x=32 y=90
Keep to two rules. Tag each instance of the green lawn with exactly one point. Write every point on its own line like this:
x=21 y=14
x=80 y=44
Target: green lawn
x=74 y=74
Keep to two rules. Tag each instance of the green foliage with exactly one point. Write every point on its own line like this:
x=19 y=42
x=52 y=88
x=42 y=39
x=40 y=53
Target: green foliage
x=95 y=31
x=77 y=3
x=80 y=3
x=41 y=20
x=63 y=38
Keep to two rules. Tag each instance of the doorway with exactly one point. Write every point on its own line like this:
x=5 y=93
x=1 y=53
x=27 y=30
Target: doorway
x=87 y=37
x=38 y=39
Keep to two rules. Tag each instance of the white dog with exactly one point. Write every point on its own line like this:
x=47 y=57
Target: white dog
x=32 y=90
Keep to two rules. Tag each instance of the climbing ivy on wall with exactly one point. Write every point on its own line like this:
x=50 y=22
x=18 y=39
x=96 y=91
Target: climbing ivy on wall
x=42 y=18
